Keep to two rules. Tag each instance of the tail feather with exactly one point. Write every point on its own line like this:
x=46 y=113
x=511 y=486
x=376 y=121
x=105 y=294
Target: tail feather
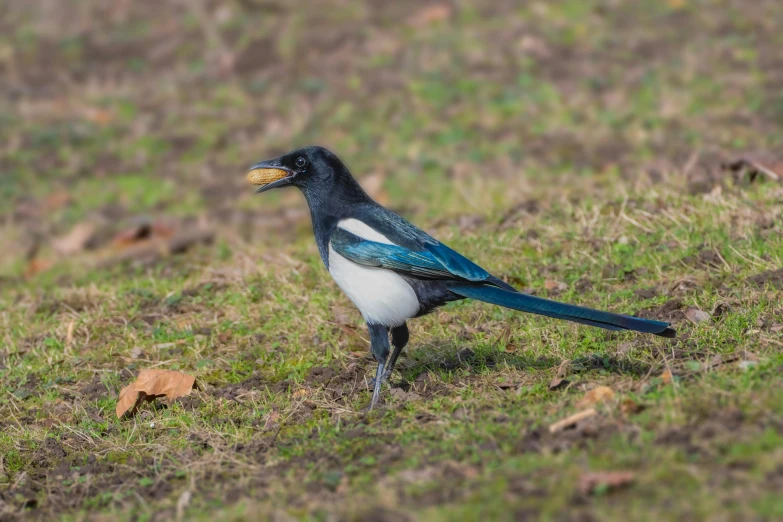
x=577 y=314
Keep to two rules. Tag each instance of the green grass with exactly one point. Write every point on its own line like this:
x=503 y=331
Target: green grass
x=572 y=148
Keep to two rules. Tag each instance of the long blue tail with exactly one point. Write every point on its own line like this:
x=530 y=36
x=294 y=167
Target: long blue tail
x=577 y=314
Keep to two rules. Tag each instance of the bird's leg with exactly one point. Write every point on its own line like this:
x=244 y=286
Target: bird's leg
x=379 y=346
x=399 y=338
x=376 y=393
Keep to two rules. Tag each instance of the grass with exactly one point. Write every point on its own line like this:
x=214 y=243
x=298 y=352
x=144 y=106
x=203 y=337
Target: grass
x=572 y=148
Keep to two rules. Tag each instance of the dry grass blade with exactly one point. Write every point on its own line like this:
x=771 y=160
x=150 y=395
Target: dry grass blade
x=571 y=420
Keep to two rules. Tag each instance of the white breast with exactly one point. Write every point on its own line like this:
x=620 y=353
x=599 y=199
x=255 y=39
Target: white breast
x=382 y=296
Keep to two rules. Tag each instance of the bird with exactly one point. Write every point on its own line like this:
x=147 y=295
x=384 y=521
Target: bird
x=392 y=270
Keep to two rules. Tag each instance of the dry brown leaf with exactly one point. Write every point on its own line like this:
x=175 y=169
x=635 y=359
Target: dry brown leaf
x=558 y=382
x=596 y=396
x=151 y=384
x=301 y=392
x=593 y=481
x=696 y=315
x=430 y=15
x=552 y=285
x=76 y=240
x=631 y=407
x=559 y=379
x=36 y=266
x=141 y=231
x=98 y=116
x=57 y=200
x=571 y=420
x=150 y=249
x=623 y=349
x=666 y=376
x=271 y=420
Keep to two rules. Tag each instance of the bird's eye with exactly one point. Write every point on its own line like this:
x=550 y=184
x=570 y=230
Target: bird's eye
x=301 y=162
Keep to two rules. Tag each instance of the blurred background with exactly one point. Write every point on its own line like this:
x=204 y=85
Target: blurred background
x=600 y=152
x=130 y=121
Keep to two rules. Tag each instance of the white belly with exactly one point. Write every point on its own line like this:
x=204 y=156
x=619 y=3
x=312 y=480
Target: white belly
x=382 y=296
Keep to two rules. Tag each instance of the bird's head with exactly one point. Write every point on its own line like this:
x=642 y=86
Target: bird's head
x=301 y=168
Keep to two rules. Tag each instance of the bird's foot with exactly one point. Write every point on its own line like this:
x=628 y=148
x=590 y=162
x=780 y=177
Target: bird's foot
x=384 y=379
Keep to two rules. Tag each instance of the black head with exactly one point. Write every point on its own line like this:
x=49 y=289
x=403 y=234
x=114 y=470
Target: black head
x=306 y=168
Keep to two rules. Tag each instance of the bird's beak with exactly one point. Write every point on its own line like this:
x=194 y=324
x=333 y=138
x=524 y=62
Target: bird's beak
x=269 y=175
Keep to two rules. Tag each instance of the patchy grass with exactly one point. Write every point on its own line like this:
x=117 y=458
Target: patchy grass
x=577 y=149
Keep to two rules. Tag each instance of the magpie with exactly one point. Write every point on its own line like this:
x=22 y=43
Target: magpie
x=394 y=271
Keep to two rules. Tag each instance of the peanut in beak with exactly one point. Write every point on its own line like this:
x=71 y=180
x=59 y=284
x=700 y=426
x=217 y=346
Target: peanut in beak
x=265 y=176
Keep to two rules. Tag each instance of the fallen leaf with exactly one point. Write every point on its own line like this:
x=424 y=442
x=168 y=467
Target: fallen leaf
x=75 y=240
x=151 y=384
x=472 y=331
x=271 y=420
x=301 y=392
x=631 y=407
x=36 y=266
x=57 y=200
x=623 y=349
x=667 y=377
x=150 y=249
x=720 y=310
x=594 y=482
x=430 y=15
x=404 y=396
x=571 y=420
x=754 y=166
x=559 y=379
x=552 y=285
x=141 y=230
x=557 y=383
x=697 y=316
x=596 y=396
x=100 y=117
x=776 y=328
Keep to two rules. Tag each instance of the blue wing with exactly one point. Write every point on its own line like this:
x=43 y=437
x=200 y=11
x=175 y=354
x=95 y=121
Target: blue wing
x=435 y=261
x=456 y=263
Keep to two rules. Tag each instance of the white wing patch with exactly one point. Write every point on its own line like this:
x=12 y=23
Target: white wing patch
x=363 y=230
x=382 y=296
